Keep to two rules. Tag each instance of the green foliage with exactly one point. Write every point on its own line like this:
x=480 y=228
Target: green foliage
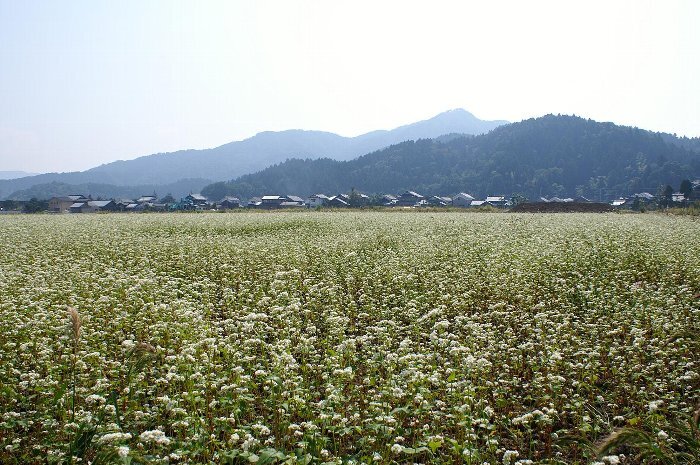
x=365 y=337
x=46 y=191
x=552 y=155
x=36 y=206
x=677 y=444
x=8 y=205
x=168 y=199
x=686 y=188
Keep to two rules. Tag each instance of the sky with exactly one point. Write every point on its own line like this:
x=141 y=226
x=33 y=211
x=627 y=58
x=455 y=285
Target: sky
x=88 y=82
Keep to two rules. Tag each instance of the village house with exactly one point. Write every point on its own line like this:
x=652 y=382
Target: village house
x=270 y=202
x=462 y=200
x=122 y=204
x=298 y=201
x=678 y=197
x=198 y=200
x=93 y=206
x=410 y=199
x=388 y=200
x=619 y=202
x=292 y=201
x=360 y=199
x=147 y=199
x=228 y=203
x=317 y=200
x=498 y=201
x=438 y=201
x=63 y=204
x=339 y=201
x=254 y=202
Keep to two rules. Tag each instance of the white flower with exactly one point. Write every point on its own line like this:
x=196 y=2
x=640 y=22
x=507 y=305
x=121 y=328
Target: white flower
x=154 y=436
x=662 y=435
x=113 y=437
x=509 y=456
x=122 y=451
x=655 y=404
x=397 y=448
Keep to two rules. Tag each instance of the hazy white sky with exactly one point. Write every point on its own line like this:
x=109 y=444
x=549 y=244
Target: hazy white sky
x=88 y=82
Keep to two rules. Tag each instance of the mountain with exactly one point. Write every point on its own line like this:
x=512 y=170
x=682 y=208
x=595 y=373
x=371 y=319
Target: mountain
x=551 y=155
x=15 y=174
x=56 y=189
x=264 y=149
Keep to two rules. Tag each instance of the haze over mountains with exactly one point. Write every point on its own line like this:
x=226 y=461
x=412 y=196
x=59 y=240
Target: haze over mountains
x=551 y=155
x=15 y=174
x=190 y=170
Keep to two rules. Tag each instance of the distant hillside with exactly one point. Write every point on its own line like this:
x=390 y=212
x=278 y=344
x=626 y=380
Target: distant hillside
x=266 y=148
x=690 y=143
x=551 y=155
x=15 y=174
x=54 y=189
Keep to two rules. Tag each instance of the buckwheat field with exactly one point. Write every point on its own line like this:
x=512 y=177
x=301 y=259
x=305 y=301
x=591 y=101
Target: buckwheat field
x=349 y=338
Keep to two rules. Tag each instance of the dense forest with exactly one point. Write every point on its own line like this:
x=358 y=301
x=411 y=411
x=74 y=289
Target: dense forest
x=551 y=155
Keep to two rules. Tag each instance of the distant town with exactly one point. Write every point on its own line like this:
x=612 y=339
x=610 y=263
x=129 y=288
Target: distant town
x=80 y=203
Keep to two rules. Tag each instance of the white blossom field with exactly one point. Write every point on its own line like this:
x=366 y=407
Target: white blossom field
x=354 y=337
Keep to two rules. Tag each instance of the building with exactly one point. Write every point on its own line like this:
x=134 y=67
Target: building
x=254 y=202
x=358 y=199
x=63 y=204
x=388 y=200
x=409 y=199
x=462 y=200
x=438 y=201
x=317 y=200
x=644 y=196
x=498 y=201
x=198 y=200
x=270 y=202
x=147 y=199
x=291 y=204
x=338 y=202
x=229 y=203
x=678 y=197
x=93 y=206
x=295 y=199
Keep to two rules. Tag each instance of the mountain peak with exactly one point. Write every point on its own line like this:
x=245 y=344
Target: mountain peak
x=265 y=149
x=455 y=121
x=456 y=112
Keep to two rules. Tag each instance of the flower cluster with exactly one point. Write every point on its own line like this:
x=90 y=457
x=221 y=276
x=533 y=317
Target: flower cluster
x=367 y=337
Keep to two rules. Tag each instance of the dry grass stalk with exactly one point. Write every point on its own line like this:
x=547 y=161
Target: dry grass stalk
x=75 y=322
x=608 y=441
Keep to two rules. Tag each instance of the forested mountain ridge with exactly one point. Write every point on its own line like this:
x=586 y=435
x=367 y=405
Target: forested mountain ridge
x=106 y=191
x=550 y=155
x=255 y=153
